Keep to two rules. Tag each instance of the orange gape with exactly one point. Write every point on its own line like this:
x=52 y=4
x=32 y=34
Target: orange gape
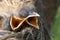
x=16 y=22
x=33 y=22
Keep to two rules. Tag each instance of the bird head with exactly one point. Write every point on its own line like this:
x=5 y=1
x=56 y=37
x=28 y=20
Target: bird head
x=25 y=15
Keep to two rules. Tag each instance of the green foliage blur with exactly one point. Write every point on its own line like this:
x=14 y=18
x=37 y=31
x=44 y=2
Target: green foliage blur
x=56 y=26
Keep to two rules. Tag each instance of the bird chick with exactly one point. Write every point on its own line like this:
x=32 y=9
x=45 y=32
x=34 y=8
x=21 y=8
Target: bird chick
x=24 y=15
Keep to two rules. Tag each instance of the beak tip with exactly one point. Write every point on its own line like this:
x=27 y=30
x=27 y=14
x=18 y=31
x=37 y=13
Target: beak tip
x=38 y=27
x=36 y=14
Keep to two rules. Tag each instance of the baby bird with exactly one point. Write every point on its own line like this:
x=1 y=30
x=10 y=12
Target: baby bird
x=15 y=21
x=24 y=15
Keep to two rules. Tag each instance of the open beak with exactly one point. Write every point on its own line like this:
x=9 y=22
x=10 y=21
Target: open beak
x=32 y=20
x=15 y=21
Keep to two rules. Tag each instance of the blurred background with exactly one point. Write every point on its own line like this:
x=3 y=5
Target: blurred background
x=56 y=26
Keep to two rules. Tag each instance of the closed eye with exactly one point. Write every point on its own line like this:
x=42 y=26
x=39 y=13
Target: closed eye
x=27 y=1
x=0 y=0
x=1 y=17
